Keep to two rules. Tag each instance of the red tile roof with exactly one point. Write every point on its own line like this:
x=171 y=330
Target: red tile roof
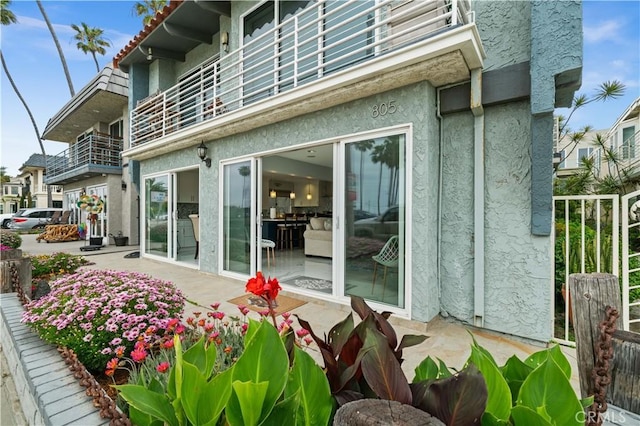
x=155 y=22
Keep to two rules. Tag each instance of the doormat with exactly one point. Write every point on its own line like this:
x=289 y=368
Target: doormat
x=255 y=303
x=310 y=283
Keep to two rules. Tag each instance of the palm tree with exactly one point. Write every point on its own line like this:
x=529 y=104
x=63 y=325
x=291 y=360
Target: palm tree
x=363 y=146
x=9 y=18
x=90 y=40
x=6 y=15
x=55 y=40
x=148 y=9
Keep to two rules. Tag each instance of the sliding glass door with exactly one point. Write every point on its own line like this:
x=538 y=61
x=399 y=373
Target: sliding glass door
x=238 y=236
x=157 y=214
x=374 y=179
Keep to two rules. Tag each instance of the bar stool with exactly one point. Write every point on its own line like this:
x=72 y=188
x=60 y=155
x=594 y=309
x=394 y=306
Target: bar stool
x=284 y=235
x=271 y=254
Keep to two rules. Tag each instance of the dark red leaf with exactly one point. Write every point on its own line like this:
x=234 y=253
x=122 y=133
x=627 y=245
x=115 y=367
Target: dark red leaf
x=457 y=400
x=360 y=306
x=382 y=370
x=340 y=333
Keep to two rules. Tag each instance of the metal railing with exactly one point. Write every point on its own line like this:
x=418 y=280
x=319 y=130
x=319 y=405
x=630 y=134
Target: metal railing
x=98 y=150
x=318 y=41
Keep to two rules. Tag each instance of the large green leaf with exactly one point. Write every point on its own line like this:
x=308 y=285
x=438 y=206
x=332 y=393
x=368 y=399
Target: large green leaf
x=284 y=413
x=152 y=403
x=216 y=394
x=194 y=385
x=428 y=369
x=515 y=372
x=382 y=370
x=309 y=382
x=139 y=418
x=246 y=403
x=457 y=400
x=536 y=359
x=203 y=356
x=499 y=400
x=264 y=360
x=525 y=416
x=547 y=391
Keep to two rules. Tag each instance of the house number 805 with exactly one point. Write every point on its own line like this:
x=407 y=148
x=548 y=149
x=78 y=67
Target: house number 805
x=382 y=109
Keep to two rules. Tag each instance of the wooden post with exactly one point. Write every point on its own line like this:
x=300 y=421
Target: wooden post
x=624 y=391
x=590 y=295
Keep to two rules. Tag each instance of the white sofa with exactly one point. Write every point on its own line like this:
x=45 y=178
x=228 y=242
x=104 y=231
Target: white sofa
x=318 y=238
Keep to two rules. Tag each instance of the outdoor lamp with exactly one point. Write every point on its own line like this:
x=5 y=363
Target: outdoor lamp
x=224 y=40
x=202 y=153
x=309 y=192
x=292 y=195
x=272 y=193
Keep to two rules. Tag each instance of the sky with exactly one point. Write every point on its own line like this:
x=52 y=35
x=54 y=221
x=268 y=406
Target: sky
x=611 y=52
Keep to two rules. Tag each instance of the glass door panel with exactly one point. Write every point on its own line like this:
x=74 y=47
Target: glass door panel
x=157 y=216
x=236 y=217
x=374 y=219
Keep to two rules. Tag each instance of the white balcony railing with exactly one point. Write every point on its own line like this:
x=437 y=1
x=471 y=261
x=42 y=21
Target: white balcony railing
x=94 y=150
x=314 y=43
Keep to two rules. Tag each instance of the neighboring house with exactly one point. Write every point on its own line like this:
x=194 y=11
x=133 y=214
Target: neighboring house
x=93 y=123
x=572 y=153
x=441 y=112
x=32 y=174
x=11 y=194
x=623 y=138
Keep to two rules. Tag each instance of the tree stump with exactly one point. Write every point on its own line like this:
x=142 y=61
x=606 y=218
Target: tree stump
x=380 y=412
x=624 y=391
x=15 y=269
x=590 y=295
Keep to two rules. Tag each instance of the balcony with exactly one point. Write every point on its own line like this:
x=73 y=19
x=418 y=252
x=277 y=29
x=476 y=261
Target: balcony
x=95 y=155
x=320 y=57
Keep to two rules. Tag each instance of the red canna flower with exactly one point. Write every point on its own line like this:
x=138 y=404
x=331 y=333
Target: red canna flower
x=256 y=284
x=215 y=306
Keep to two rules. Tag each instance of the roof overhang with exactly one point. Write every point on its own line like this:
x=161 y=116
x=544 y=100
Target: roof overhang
x=175 y=30
x=103 y=99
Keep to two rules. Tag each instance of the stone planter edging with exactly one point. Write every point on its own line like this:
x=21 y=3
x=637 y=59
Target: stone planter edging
x=48 y=391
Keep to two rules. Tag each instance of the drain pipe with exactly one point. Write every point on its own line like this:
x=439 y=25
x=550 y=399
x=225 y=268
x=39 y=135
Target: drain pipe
x=478 y=197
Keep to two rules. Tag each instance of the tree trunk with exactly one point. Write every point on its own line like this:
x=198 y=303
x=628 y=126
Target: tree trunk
x=380 y=412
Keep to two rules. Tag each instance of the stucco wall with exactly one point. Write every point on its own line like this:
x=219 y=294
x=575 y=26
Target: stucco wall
x=517 y=263
x=416 y=104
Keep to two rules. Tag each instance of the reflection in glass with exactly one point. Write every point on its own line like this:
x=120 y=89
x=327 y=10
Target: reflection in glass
x=156 y=215
x=375 y=219
x=237 y=217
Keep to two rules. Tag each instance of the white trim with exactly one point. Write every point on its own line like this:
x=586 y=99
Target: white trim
x=338 y=249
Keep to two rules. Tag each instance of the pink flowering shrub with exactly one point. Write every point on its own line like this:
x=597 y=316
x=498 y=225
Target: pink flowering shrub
x=99 y=313
x=10 y=239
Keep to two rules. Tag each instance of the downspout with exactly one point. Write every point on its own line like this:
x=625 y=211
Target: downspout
x=478 y=197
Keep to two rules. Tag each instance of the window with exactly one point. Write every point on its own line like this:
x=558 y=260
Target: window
x=563 y=155
x=628 y=143
x=115 y=129
x=582 y=153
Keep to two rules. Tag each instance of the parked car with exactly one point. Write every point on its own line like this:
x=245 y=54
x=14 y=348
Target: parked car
x=33 y=218
x=380 y=227
x=5 y=218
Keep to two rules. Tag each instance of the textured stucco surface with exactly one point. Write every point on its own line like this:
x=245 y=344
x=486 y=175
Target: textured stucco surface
x=416 y=104
x=504 y=30
x=517 y=272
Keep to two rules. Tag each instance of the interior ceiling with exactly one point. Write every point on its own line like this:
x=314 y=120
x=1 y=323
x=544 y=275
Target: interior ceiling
x=319 y=155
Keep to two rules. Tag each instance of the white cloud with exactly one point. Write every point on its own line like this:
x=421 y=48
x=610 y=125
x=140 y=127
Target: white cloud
x=602 y=31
